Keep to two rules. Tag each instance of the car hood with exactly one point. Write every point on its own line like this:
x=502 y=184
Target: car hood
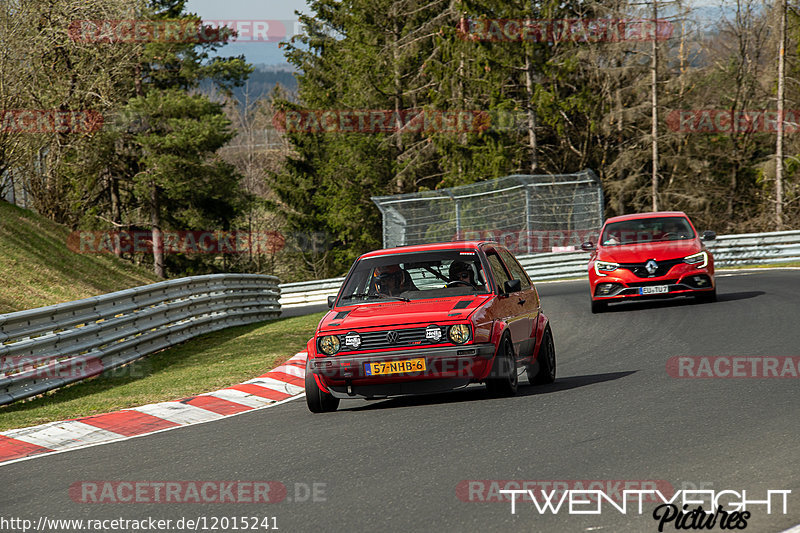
x=639 y=253
x=388 y=314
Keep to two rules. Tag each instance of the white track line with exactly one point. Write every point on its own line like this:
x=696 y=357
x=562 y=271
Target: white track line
x=62 y=435
x=28 y=458
x=240 y=397
x=277 y=385
x=177 y=412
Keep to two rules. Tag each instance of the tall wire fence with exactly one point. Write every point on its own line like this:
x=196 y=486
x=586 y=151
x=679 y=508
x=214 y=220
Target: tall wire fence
x=527 y=213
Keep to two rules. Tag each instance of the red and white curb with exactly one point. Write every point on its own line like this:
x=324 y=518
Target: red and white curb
x=279 y=384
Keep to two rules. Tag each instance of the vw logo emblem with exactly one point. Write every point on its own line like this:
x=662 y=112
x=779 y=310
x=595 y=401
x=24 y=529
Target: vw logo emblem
x=651 y=266
x=391 y=337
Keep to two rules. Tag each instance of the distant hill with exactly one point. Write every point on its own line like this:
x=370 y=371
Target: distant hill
x=37 y=268
x=262 y=81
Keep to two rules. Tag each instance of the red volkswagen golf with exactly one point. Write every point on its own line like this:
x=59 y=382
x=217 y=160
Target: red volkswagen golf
x=429 y=318
x=650 y=255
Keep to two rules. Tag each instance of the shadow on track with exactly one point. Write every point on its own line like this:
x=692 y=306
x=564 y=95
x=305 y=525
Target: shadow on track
x=476 y=393
x=641 y=305
x=732 y=296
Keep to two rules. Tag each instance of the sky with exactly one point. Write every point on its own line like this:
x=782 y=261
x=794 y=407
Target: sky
x=283 y=10
x=250 y=10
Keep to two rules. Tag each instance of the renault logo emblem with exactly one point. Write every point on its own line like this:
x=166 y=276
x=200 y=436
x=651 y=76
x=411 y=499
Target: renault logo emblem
x=651 y=266
x=391 y=337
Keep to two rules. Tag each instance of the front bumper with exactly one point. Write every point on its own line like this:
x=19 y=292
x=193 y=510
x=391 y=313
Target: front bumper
x=611 y=287
x=446 y=368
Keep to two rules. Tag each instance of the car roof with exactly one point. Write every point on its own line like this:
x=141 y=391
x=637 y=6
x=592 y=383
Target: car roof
x=654 y=214
x=452 y=245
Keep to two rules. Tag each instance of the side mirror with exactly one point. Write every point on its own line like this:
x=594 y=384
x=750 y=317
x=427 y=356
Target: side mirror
x=331 y=301
x=587 y=247
x=512 y=285
x=709 y=236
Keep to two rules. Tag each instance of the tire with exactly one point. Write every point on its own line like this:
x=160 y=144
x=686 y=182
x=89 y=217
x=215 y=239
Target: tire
x=546 y=372
x=503 y=379
x=706 y=297
x=318 y=401
x=598 y=306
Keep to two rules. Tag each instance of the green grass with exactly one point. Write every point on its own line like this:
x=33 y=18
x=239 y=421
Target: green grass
x=771 y=265
x=206 y=363
x=38 y=269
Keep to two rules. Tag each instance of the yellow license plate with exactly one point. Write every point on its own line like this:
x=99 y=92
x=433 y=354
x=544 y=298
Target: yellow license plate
x=394 y=367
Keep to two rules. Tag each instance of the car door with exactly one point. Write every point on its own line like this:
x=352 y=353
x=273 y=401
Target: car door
x=506 y=306
x=527 y=300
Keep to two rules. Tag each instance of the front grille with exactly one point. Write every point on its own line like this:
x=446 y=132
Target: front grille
x=376 y=340
x=653 y=283
x=640 y=270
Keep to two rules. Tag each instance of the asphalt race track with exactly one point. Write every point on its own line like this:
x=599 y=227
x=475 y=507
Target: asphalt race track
x=614 y=413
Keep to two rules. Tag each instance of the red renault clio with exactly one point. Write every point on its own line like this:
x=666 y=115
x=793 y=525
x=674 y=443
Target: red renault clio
x=429 y=318
x=650 y=255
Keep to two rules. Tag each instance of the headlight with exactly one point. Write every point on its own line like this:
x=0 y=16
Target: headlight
x=699 y=260
x=459 y=333
x=329 y=344
x=604 y=266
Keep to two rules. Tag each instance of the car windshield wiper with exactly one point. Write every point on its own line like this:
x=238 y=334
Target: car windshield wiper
x=388 y=296
x=376 y=295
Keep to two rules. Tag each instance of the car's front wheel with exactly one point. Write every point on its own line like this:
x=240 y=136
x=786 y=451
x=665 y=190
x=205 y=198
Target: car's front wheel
x=706 y=297
x=318 y=400
x=546 y=372
x=503 y=379
x=598 y=306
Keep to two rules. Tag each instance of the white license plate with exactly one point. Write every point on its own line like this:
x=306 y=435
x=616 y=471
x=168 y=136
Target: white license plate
x=655 y=289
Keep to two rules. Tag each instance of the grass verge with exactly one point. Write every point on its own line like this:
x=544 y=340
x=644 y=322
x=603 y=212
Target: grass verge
x=204 y=364
x=770 y=265
x=38 y=268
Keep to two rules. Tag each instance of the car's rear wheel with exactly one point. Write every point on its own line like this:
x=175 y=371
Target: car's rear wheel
x=546 y=372
x=599 y=306
x=318 y=400
x=503 y=379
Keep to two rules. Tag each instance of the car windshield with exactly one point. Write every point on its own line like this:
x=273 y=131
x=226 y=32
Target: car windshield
x=415 y=276
x=643 y=230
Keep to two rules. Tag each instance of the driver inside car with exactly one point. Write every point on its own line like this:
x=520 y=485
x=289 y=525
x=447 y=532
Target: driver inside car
x=673 y=229
x=392 y=280
x=461 y=274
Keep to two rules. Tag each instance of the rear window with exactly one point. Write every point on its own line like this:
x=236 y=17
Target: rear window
x=646 y=230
